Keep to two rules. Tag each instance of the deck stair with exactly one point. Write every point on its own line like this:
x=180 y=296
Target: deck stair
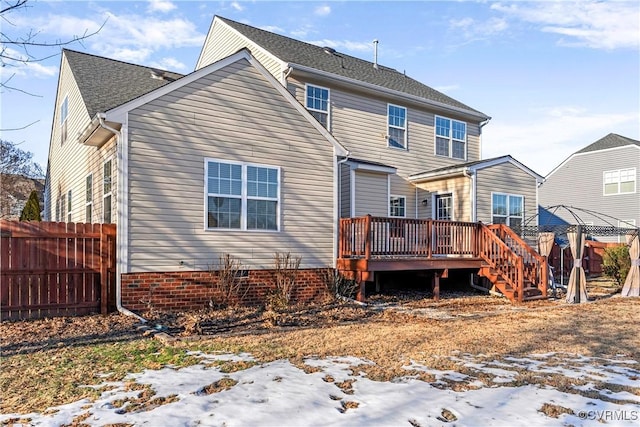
x=511 y=265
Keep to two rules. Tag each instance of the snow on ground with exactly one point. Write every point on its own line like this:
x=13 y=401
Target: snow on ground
x=335 y=392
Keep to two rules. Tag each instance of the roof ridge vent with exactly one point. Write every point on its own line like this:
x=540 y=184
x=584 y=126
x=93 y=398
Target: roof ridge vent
x=329 y=50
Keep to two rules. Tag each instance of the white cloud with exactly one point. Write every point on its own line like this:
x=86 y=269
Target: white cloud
x=131 y=38
x=474 y=30
x=237 y=6
x=170 y=64
x=548 y=136
x=163 y=6
x=322 y=10
x=21 y=67
x=344 y=45
x=593 y=24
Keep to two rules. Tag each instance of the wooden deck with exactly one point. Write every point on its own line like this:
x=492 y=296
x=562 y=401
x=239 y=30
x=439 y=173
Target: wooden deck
x=373 y=244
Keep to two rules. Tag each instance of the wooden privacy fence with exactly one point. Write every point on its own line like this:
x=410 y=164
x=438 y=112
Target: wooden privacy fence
x=56 y=269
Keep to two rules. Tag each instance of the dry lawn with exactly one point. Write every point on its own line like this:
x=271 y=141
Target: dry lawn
x=393 y=334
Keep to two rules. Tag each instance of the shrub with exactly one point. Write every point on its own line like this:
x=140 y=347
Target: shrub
x=231 y=288
x=616 y=263
x=285 y=272
x=338 y=285
x=31 y=210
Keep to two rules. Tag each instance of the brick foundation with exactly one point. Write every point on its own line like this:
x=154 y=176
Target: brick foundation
x=193 y=290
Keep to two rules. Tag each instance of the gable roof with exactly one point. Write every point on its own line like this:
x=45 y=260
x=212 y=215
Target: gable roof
x=296 y=52
x=474 y=166
x=106 y=83
x=610 y=141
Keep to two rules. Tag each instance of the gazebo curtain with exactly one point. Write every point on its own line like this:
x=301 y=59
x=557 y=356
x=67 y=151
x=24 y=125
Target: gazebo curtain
x=545 y=243
x=631 y=286
x=577 y=288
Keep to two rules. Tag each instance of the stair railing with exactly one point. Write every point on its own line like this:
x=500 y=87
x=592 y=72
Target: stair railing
x=501 y=259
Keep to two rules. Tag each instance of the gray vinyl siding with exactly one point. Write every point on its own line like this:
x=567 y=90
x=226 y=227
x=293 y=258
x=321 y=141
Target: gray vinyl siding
x=232 y=114
x=345 y=191
x=371 y=194
x=70 y=162
x=401 y=187
x=579 y=183
x=359 y=122
x=505 y=178
x=223 y=41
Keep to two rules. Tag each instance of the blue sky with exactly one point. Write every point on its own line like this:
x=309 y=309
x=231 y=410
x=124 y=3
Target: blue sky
x=554 y=76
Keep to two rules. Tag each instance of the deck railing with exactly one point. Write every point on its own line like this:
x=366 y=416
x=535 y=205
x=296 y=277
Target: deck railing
x=376 y=237
x=504 y=251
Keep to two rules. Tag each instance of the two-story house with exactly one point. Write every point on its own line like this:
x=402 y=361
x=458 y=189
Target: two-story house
x=262 y=149
x=598 y=184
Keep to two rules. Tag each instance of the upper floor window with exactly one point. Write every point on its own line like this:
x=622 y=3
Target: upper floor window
x=619 y=181
x=106 y=192
x=242 y=196
x=397 y=126
x=318 y=104
x=451 y=138
x=507 y=209
x=64 y=112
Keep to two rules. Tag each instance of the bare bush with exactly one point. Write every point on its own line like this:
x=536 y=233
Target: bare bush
x=230 y=288
x=337 y=284
x=285 y=272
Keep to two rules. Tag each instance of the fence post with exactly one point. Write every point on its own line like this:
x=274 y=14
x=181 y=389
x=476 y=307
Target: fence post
x=367 y=237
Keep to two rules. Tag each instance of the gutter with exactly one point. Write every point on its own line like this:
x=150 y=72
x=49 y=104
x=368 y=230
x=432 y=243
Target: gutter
x=119 y=227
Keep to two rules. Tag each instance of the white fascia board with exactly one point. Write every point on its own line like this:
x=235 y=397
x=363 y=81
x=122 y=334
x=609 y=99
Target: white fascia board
x=372 y=168
x=506 y=159
x=587 y=153
x=119 y=113
x=436 y=176
x=380 y=89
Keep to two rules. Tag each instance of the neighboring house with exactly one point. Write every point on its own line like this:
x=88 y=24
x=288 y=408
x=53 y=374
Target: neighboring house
x=260 y=150
x=598 y=184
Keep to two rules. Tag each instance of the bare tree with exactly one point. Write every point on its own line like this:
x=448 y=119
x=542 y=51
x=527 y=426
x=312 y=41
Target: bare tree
x=16 y=51
x=18 y=175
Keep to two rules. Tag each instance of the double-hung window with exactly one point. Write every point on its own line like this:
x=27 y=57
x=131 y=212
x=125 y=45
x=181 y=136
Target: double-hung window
x=397 y=206
x=64 y=112
x=318 y=104
x=63 y=205
x=619 y=181
x=507 y=209
x=242 y=196
x=106 y=192
x=397 y=126
x=88 y=207
x=451 y=138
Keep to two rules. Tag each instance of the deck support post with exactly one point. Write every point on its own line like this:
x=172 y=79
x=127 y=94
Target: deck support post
x=361 y=287
x=435 y=284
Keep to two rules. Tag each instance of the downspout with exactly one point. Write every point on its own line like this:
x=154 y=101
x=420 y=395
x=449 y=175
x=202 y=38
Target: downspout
x=482 y=124
x=472 y=192
x=338 y=190
x=285 y=75
x=120 y=225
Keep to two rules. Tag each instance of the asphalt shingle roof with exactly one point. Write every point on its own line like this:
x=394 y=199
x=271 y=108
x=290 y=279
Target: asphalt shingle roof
x=309 y=55
x=106 y=83
x=610 y=141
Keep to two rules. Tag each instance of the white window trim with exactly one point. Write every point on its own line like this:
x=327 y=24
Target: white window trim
x=406 y=119
x=434 y=207
x=69 y=206
x=451 y=138
x=328 y=112
x=88 y=203
x=244 y=197
x=63 y=123
x=405 y=206
x=508 y=215
x=619 y=171
x=109 y=194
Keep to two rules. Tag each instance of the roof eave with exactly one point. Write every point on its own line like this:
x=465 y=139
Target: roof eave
x=435 y=176
x=95 y=135
x=305 y=70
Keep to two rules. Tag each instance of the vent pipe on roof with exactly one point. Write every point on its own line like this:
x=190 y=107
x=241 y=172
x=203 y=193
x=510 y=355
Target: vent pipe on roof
x=375 y=54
